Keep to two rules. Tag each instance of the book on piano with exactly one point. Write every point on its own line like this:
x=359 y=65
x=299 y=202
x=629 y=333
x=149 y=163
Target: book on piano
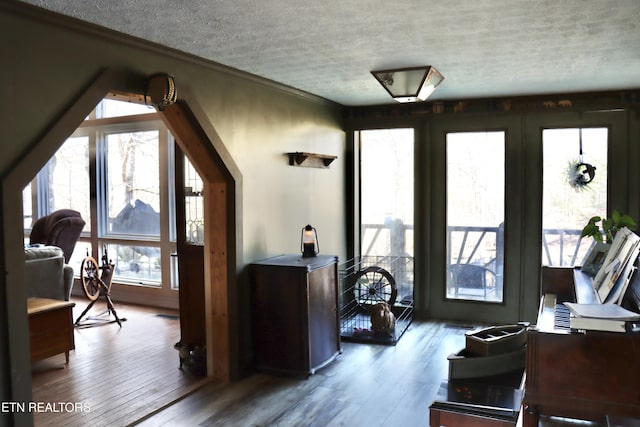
x=601 y=317
x=614 y=272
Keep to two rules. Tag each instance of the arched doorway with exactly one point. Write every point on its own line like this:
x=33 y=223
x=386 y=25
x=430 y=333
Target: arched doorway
x=199 y=141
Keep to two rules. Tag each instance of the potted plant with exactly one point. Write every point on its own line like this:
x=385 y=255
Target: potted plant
x=610 y=226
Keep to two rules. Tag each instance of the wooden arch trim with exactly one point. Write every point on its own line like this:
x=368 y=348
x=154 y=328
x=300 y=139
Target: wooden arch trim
x=219 y=197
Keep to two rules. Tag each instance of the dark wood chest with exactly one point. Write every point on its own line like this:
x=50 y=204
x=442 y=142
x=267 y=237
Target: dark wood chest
x=295 y=313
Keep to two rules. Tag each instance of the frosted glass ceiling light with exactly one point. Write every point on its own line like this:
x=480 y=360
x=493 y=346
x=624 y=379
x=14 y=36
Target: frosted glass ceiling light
x=409 y=84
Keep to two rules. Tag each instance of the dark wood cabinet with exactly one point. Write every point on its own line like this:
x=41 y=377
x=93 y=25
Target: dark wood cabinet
x=295 y=313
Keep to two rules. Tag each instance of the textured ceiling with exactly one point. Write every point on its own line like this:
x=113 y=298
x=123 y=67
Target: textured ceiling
x=328 y=48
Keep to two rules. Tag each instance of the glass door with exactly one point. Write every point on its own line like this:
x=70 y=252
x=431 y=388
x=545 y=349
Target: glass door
x=469 y=226
x=495 y=194
x=570 y=195
x=475 y=215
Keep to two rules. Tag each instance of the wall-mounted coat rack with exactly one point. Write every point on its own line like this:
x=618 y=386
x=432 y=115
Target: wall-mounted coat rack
x=310 y=160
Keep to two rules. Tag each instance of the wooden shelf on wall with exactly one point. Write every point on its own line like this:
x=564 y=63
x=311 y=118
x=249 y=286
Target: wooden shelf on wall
x=310 y=160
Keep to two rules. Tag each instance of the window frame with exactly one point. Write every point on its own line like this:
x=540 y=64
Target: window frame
x=96 y=129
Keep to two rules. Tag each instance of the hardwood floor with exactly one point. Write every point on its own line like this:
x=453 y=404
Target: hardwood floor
x=367 y=385
x=115 y=375
x=130 y=376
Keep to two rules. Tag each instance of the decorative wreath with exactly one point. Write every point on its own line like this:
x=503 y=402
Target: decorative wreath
x=580 y=174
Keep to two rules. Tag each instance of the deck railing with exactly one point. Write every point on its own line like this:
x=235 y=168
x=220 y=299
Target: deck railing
x=560 y=247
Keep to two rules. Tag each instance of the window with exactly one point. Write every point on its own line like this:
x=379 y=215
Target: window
x=565 y=208
x=386 y=213
x=64 y=182
x=386 y=187
x=119 y=165
x=475 y=215
x=27 y=209
x=131 y=169
x=194 y=205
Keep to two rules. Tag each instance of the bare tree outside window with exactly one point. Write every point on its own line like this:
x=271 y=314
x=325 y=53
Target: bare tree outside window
x=134 y=183
x=66 y=177
x=386 y=181
x=475 y=215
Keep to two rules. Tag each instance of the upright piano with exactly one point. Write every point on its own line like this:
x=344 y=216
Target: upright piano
x=584 y=375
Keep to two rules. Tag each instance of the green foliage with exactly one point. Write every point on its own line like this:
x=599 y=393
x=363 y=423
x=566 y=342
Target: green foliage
x=610 y=226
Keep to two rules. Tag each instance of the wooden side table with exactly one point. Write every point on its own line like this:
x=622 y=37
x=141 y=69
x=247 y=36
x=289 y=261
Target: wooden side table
x=50 y=328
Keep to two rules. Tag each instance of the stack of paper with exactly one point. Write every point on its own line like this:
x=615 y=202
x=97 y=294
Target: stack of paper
x=600 y=317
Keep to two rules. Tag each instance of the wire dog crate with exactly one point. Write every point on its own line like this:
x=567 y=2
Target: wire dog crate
x=367 y=280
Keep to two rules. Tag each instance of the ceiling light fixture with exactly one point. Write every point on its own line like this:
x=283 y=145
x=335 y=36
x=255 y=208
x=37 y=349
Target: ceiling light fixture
x=409 y=84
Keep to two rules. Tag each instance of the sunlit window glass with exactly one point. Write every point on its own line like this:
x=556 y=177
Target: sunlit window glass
x=567 y=205
x=133 y=183
x=475 y=215
x=386 y=188
x=66 y=181
x=112 y=108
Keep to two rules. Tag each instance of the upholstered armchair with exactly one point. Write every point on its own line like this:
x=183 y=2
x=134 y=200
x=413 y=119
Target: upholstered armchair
x=52 y=241
x=46 y=273
x=61 y=228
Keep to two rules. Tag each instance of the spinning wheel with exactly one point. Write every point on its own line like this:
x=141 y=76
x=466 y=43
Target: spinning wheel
x=95 y=286
x=373 y=285
x=91 y=283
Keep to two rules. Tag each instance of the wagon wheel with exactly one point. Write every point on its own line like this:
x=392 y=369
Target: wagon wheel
x=90 y=281
x=373 y=285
